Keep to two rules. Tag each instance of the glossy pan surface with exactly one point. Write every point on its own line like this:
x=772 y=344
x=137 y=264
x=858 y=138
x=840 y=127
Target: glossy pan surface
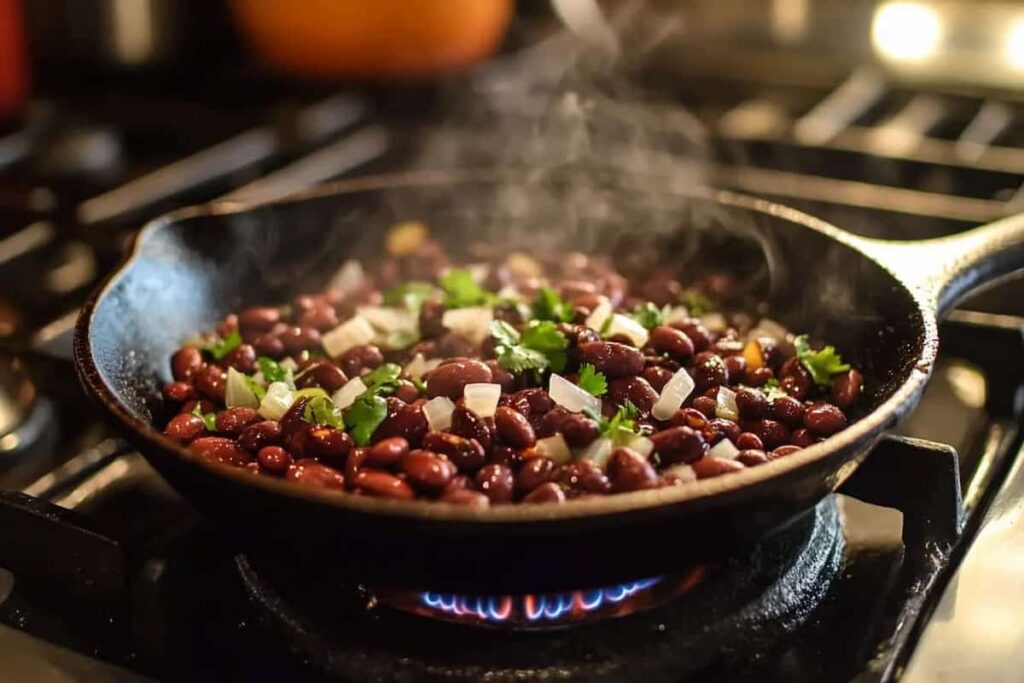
x=190 y=268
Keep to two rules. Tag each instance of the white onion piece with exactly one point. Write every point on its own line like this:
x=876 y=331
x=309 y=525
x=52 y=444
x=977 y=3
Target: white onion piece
x=420 y=366
x=715 y=322
x=349 y=277
x=598 y=451
x=510 y=292
x=237 y=394
x=724 y=449
x=472 y=323
x=278 y=400
x=677 y=314
x=289 y=364
x=478 y=271
x=675 y=391
x=642 y=445
x=623 y=324
x=347 y=395
x=355 y=331
x=766 y=327
x=438 y=411
x=482 y=398
x=599 y=315
x=726 y=404
x=684 y=472
x=554 y=447
x=571 y=397
x=390 y=319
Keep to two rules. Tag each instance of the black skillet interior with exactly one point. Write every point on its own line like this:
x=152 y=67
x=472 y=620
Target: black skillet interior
x=191 y=270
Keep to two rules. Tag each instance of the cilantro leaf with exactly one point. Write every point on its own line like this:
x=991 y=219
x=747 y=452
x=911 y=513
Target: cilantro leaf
x=420 y=385
x=620 y=428
x=272 y=370
x=462 y=291
x=383 y=379
x=504 y=334
x=696 y=303
x=592 y=381
x=364 y=416
x=255 y=387
x=410 y=295
x=209 y=419
x=772 y=390
x=648 y=315
x=820 y=364
x=549 y=306
x=321 y=411
x=517 y=359
x=222 y=347
x=546 y=338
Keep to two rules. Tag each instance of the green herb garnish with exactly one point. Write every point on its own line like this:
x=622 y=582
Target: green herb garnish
x=648 y=315
x=621 y=427
x=550 y=306
x=542 y=345
x=364 y=416
x=321 y=411
x=696 y=303
x=592 y=381
x=255 y=387
x=820 y=364
x=222 y=347
x=209 y=419
x=383 y=379
x=462 y=291
x=410 y=295
x=420 y=385
x=273 y=371
x=548 y=339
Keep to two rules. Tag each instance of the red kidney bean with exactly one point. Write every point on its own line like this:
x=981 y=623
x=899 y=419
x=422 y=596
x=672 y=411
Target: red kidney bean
x=274 y=459
x=382 y=485
x=630 y=471
x=427 y=470
x=242 y=358
x=634 y=389
x=578 y=430
x=205 y=405
x=359 y=358
x=513 y=428
x=545 y=493
x=268 y=345
x=824 y=419
x=329 y=445
x=405 y=420
x=613 y=359
x=309 y=472
x=783 y=451
x=322 y=374
x=551 y=422
x=795 y=380
x=507 y=456
x=259 y=319
x=698 y=334
x=657 y=376
x=727 y=428
x=803 y=438
x=211 y=382
x=233 y=420
x=431 y=314
x=578 y=334
x=185 y=362
x=461 y=481
x=469 y=425
x=672 y=341
x=451 y=379
x=500 y=375
x=537 y=400
x=709 y=371
x=296 y=339
x=321 y=317
x=752 y=404
x=749 y=441
x=758 y=377
x=259 y=435
x=752 y=456
x=533 y=473
x=184 y=427
x=178 y=392
x=496 y=482
x=220 y=449
x=582 y=476
x=688 y=417
x=736 y=366
x=465 y=453
x=712 y=467
x=846 y=388
x=387 y=452
x=771 y=432
x=679 y=444
x=454 y=345
x=466 y=497
x=788 y=410
x=356 y=459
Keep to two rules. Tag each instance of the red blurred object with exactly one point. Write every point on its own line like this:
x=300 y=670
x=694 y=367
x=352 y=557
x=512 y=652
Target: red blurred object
x=13 y=61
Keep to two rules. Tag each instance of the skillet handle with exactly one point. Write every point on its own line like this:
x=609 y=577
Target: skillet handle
x=946 y=269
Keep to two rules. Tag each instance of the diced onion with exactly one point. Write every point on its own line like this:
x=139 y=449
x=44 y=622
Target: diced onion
x=726 y=404
x=482 y=398
x=766 y=327
x=677 y=314
x=598 y=451
x=675 y=391
x=349 y=277
x=347 y=395
x=289 y=364
x=724 y=449
x=438 y=412
x=554 y=447
x=642 y=445
x=571 y=397
x=623 y=324
x=472 y=323
x=599 y=315
x=420 y=366
x=510 y=292
x=390 y=319
x=278 y=400
x=478 y=271
x=715 y=322
x=353 y=332
x=684 y=472
x=237 y=394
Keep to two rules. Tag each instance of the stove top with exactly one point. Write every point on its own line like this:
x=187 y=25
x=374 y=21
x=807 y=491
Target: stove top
x=109 y=574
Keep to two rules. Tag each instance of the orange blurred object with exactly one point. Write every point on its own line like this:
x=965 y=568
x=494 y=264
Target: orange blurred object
x=13 y=63
x=372 y=39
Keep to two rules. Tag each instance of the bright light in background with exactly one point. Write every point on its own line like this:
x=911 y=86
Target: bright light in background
x=906 y=31
x=1014 y=48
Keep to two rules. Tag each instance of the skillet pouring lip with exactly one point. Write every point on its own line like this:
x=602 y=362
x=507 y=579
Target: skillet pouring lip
x=864 y=430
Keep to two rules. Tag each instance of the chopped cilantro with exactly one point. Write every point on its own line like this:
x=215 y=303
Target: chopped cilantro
x=696 y=303
x=772 y=390
x=549 y=306
x=462 y=291
x=255 y=387
x=549 y=340
x=321 y=411
x=410 y=295
x=820 y=364
x=272 y=370
x=420 y=385
x=592 y=381
x=517 y=359
x=542 y=345
x=621 y=427
x=209 y=419
x=648 y=315
x=222 y=347
x=383 y=379
x=364 y=416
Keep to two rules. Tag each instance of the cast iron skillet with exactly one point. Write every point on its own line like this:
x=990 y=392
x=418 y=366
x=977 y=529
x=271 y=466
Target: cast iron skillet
x=878 y=301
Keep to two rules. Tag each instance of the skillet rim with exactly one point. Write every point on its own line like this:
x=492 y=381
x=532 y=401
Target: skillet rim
x=856 y=438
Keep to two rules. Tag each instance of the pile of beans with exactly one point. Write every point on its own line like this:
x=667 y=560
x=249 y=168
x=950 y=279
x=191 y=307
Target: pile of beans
x=482 y=461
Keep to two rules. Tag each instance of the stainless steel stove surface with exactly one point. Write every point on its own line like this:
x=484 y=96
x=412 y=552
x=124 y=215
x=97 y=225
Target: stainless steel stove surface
x=108 y=574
